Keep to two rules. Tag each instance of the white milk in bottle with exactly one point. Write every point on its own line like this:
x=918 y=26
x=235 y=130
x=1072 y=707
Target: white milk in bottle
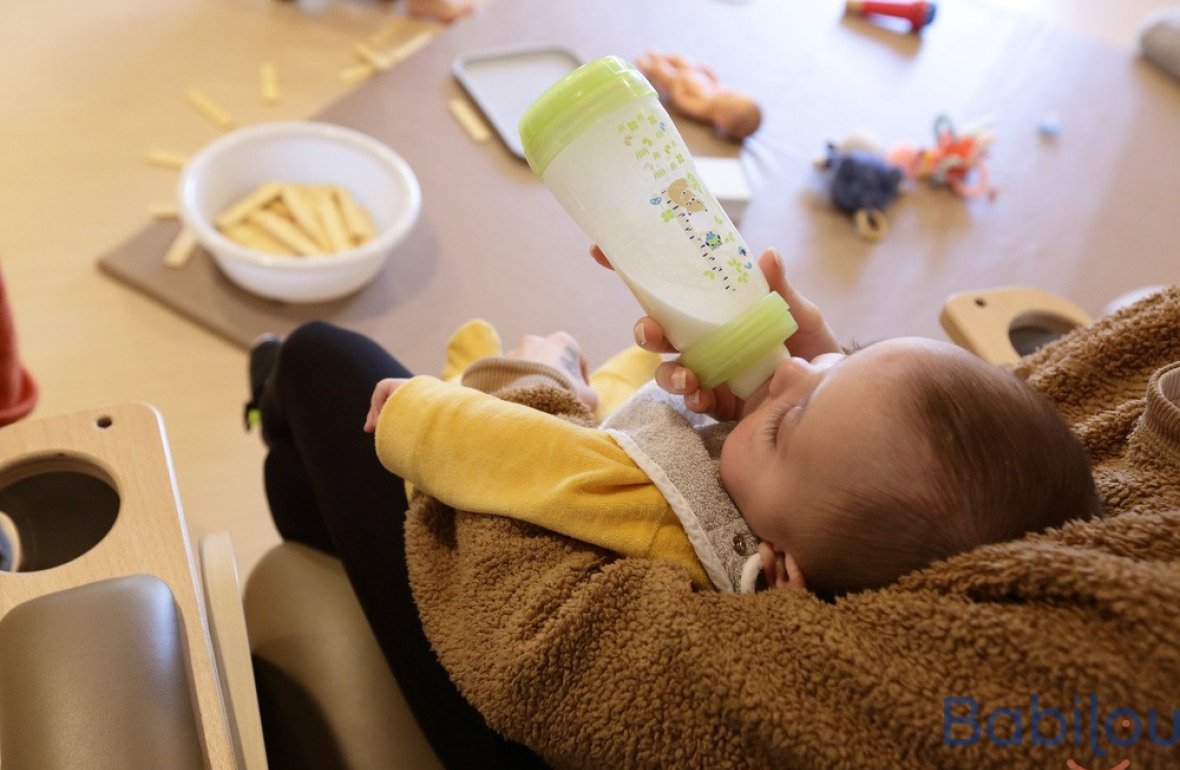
x=604 y=145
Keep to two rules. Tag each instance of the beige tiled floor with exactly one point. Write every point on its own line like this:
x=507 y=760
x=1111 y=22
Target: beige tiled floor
x=87 y=90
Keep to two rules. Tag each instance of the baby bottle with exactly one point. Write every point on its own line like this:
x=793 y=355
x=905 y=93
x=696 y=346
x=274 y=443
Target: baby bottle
x=604 y=145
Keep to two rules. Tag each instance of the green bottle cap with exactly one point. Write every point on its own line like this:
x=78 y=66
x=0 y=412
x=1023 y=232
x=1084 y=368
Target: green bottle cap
x=575 y=103
x=743 y=341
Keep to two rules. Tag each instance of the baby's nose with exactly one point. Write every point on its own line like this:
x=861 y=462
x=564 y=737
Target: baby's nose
x=792 y=373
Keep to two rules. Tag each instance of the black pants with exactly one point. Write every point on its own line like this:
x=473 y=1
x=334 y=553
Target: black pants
x=326 y=489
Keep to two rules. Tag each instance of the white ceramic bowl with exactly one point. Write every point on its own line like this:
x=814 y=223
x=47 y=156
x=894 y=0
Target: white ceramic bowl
x=299 y=152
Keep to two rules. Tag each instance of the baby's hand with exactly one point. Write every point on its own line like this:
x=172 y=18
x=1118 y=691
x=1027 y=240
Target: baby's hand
x=774 y=567
x=780 y=570
x=562 y=352
x=381 y=394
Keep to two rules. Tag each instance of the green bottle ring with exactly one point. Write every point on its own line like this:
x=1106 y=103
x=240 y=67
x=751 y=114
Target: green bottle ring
x=745 y=339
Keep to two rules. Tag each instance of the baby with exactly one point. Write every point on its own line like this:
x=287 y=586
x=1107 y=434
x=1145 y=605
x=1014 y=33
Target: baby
x=856 y=469
x=850 y=469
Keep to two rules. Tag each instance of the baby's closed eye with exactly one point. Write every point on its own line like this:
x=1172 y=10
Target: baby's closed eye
x=788 y=414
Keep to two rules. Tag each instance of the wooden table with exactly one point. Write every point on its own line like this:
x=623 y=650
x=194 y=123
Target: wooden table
x=1085 y=214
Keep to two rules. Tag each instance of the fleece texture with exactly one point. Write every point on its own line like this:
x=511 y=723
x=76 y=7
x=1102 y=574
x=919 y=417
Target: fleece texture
x=1060 y=646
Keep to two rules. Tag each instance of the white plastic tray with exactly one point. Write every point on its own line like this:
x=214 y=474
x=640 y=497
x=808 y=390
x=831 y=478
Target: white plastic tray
x=504 y=82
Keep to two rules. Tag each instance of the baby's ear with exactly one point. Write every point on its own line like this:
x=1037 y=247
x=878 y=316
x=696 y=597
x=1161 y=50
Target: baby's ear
x=794 y=574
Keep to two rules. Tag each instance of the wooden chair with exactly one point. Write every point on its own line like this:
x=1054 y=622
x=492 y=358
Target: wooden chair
x=109 y=657
x=1002 y=324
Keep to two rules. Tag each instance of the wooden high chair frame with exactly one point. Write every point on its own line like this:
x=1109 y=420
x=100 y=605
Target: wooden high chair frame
x=983 y=321
x=125 y=447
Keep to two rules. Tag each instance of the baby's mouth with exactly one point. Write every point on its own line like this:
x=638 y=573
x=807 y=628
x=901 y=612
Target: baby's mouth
x=756 y=399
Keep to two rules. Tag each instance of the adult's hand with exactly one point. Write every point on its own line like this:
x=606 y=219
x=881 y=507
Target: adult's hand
x=813 y=338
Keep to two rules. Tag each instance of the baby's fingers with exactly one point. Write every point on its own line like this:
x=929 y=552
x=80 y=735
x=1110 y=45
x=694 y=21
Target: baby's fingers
x=381 y=394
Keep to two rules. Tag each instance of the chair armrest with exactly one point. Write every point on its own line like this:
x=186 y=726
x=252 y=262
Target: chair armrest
x=231 y=648
x=327 y=696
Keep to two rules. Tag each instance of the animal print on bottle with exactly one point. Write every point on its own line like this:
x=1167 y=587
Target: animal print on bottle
x=681 y=198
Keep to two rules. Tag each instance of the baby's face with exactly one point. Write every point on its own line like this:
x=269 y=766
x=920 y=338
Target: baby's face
x=816 y=426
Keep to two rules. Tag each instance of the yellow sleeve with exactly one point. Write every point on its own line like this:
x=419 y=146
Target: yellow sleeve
x=477 y=453
x=618 y=379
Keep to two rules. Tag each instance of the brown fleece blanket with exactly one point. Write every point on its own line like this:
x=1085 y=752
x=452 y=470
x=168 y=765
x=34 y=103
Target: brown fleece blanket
x=1061 y=647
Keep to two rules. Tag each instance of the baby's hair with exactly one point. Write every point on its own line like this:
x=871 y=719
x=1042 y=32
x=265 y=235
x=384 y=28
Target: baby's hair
x=998 y=462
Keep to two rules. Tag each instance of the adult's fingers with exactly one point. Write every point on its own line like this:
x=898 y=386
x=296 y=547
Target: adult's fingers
x=599 y=257
x=678 y=380
x=649 y=335
x=814 y=336
x=675 y=378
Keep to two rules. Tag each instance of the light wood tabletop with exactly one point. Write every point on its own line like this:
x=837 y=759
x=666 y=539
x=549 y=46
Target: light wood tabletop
x=88 y=91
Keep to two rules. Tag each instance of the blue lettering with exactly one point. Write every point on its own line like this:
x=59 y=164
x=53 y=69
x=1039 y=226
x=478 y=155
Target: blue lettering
x=1017 y=731
x=1094 y=727
x=949 y=720
x=1155 y=737
x=964 y=725
x=1124 y=718
x=1038 y=714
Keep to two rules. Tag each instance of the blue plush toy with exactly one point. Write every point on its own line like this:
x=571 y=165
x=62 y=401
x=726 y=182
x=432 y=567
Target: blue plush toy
x=863 y=184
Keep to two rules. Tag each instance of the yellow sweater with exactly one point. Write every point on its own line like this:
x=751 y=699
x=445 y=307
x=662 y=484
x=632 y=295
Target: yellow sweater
x=476 y=452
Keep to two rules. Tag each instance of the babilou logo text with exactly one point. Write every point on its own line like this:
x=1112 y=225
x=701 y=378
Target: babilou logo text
x=1087 y=724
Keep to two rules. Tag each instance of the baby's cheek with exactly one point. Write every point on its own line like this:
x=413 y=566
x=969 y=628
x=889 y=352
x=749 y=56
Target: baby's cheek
x=738 y=468
x=725 y=466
